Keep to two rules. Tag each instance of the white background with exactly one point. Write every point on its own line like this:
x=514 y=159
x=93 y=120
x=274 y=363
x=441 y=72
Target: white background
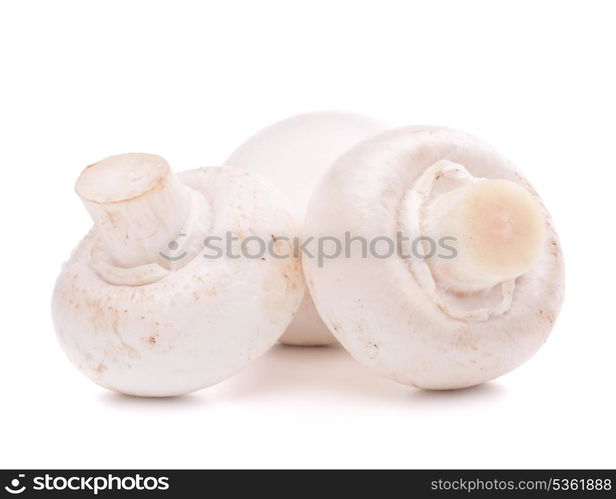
x=190 y=81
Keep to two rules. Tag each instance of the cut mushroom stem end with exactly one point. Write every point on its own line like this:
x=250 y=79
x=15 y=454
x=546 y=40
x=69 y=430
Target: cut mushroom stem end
x=499 y=232
x=139 y=207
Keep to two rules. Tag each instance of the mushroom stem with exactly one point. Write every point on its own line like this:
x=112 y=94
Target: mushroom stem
x=499 y=232
x=140 y=209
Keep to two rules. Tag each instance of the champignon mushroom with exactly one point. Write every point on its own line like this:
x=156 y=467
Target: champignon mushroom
x=294 y=154
x=142 y=307
x=476 y=281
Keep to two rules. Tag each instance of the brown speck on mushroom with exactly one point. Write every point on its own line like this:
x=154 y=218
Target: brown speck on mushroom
x=102 y=367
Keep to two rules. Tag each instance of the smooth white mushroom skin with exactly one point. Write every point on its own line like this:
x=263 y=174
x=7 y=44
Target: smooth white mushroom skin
x=434 y=322
x=294 y=154
x=140 y=310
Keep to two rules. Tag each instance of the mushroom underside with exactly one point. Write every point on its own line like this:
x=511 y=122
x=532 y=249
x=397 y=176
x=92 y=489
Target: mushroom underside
x=382 y=310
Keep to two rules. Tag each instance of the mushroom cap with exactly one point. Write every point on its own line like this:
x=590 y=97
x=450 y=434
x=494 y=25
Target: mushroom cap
x=381 y=310
x=196 y=325
x=294 y=154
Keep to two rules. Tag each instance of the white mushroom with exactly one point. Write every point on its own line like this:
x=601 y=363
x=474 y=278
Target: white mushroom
x=294 y=154
x=140 y=309
x=476 y=281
